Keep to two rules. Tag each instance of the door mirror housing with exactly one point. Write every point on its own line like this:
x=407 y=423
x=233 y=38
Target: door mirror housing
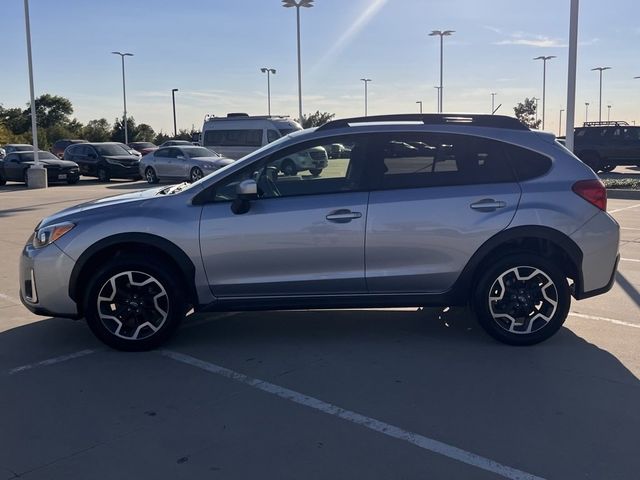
x=246 y=191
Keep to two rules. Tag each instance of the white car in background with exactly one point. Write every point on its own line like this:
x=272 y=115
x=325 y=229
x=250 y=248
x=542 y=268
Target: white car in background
x=184 y=162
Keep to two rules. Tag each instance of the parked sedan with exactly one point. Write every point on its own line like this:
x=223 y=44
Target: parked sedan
x=17 y=147
x=143 y=147
x=175 y=143
x=180 y=163
x=13 y=168
x=61 y=145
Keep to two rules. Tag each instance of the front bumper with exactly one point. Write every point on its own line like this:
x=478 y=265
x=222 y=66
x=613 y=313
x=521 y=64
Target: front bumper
x=123 y=171
x=44 y=281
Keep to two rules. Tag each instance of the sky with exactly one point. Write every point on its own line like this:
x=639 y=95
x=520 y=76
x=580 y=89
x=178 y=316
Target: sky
x=212 y=51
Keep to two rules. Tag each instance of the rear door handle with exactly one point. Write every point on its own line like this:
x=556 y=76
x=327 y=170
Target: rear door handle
x=343 y=216
x=488 y=205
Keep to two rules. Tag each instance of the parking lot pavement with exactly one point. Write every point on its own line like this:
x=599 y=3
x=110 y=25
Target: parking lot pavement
x=401 y=393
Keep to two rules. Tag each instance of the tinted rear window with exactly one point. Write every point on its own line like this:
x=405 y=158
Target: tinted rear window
x=526 y=163
x=233 y=138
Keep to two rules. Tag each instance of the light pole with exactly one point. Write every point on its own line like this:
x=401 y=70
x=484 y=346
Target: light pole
x=437 y=99
x=493 y=101
x=441 y=34
x=298 y=4
x=36 y=174
x=366 y=82
x=608 y=113
x=173 y=100
x=124 y=95
x=560 y=123
x=535 y=99
x=420 y=103
x=268 y=71
x=600 y=69
x=586 y=112
x=544 y=81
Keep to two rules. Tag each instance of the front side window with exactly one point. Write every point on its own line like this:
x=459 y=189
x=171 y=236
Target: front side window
x=415 y=160
x=233 y=138
x=111 y=149
x=303 y=170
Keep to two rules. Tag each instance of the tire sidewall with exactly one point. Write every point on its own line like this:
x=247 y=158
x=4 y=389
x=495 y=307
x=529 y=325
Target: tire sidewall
x=480 y=302
x=192 y=174
x=175 y=314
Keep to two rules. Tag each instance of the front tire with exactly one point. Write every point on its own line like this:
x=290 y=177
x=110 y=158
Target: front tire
x=103 y=175
x=134 y=304
x=315 y=171
x=607 y=167
x=73 y=180
x=289 y=168
x=150 y=175
x=522 y=299
x=195 y=175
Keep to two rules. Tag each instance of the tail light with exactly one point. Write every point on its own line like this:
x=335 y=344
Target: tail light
x=593 y=191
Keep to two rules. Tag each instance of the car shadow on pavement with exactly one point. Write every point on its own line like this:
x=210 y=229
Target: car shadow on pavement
x=131 y=186
x=628 y=287
x=564 y=408
x=15 y=211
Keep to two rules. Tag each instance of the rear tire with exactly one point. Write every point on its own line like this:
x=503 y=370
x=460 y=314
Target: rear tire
x=73 y=180
x=592 y=160
x=103 y=175
x=26 y=178
x=522 y=299
x=289 y=168
x=134 y=304
x=607 y=167
x=315 y=171
x=195 y=175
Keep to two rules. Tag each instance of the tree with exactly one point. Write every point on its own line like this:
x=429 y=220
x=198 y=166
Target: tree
x=117 y=134
x=526 y=113
x=316 y=119
x=161 y=138
x=15 y=120
x=144 y=133
x=51 y=110
x=97 y=131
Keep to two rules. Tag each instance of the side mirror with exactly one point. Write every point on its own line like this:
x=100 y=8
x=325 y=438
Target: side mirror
x=246 y=190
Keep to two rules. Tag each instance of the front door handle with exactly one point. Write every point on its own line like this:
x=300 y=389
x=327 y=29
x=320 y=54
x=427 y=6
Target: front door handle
x=343 y=216
x=488 y=205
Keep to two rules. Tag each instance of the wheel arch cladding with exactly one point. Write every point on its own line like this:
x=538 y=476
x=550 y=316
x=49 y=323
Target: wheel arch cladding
x=142 y=243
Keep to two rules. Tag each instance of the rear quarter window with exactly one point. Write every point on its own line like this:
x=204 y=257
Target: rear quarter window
x=526 y=163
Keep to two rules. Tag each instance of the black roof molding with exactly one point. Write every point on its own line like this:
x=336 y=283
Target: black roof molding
x=473 y=119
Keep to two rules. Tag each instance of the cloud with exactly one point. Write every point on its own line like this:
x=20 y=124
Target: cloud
x=532 y=41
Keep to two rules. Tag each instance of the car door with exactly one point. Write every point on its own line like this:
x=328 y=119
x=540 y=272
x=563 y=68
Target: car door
x=162 y=162
x=432 y=206
x=303 y=235
x=14 y=167
x=179 y=164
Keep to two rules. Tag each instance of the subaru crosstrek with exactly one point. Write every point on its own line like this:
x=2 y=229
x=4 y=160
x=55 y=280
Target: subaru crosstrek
x=424 y=210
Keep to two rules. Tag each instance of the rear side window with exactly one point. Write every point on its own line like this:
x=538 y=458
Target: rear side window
x=433 y=160
x=526 y=163
x=233 y=138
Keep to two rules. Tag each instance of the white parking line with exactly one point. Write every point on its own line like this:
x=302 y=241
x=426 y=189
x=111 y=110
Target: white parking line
x=629 y=228
x=51 y=361
x=420 y=441
x=629 y=259
x=605 y=319
x=624 y=208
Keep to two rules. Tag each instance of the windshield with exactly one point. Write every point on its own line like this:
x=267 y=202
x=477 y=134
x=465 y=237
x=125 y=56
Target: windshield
x=200 y=152
x=111 y=149
x=28 y=156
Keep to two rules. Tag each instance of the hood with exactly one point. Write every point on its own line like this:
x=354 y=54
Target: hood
x=55 y=163
x=107 y=202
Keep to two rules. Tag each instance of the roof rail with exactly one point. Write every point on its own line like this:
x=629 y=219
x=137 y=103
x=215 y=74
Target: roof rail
x=474 y=119
x=612 y=123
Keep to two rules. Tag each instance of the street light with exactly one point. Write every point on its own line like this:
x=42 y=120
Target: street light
x=437 y=99
x=441 y=34
x=298 y=4
x=366 y=82
x=493 y=101
x=124 y=95
x=268 y=71
x=544 y=81
x=173 y=99
x=36 y=174
x=586 y=112
x=608 y=113
x=560 y=123
x=420 y=102
x=600 y=69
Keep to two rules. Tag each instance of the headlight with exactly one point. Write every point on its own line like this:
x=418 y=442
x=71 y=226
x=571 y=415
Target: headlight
x=46 y=235
x=209 y=167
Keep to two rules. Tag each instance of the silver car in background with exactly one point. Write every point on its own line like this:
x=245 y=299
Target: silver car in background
x=184 y=162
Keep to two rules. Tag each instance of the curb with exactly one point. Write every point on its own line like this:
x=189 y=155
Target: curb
x=623 y=194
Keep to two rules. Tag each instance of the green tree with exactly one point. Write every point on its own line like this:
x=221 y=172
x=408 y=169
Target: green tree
x=117 y=133
x=526 y=113
x=97 y=131
x=15 y=120
x=144 y=133
x=51 y=110
x=161 y=138
x=316 y=119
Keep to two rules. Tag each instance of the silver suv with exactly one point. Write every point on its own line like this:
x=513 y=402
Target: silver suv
x=424 y=210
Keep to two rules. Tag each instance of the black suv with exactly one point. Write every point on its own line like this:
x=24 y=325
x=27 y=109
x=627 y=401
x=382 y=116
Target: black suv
x=104 y=160
x=605 y=145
